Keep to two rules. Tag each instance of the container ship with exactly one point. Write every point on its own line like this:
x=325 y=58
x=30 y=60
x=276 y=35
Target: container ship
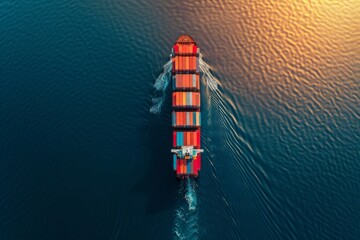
x=186 y=115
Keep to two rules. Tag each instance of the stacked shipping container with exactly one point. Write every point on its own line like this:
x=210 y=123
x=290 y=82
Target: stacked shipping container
x=186 y=82
x=186 y=119
x=186 y=99
x=186 y=138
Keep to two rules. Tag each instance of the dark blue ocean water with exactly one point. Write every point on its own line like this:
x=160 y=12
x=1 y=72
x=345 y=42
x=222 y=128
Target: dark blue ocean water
x=81 y=156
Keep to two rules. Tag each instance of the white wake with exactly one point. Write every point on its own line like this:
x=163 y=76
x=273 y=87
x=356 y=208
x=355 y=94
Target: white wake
x=186 y=225
x=161 y=84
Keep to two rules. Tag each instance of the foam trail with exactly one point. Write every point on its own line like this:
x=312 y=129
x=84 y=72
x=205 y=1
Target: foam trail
x=161 y=84
x=211 y=81
x=186 y=215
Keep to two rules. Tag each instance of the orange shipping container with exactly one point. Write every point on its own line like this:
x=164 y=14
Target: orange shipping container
x=179 y=80
x=178 y=119
x=177 y=62
x=183 y=166
x=193 y=63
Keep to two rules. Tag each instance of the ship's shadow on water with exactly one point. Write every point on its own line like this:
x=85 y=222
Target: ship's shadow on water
x=158 y=184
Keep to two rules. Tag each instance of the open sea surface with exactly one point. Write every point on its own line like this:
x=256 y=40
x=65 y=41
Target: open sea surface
x=82 y=157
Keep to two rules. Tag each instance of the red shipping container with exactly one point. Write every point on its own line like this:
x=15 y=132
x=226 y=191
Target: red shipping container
x=174 y=139
x=199 y=163
x=176 y=49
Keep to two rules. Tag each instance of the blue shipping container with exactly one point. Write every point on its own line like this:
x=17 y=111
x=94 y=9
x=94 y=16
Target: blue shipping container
x=174 y=162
